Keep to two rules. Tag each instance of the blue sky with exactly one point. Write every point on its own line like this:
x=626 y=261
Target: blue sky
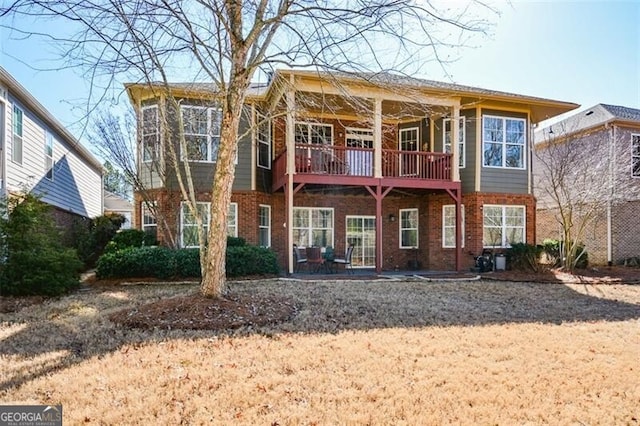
x=585 y=52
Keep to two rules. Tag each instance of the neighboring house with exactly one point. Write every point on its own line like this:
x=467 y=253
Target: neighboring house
x=610 y=137
x=367 y=161
x=114 y=203
x=39 y=155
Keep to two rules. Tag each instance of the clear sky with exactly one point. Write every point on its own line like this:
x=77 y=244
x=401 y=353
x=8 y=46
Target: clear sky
x=586 y=52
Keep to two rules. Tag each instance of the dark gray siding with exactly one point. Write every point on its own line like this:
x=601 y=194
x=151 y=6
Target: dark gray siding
x=504 y=180
x=467 y=173
x=203 y=172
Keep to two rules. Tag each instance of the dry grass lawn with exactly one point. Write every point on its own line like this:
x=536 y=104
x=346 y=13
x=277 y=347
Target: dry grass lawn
x=379 y=352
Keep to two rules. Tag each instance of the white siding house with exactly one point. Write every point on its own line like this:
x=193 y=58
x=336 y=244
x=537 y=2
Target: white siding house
x=38 y=154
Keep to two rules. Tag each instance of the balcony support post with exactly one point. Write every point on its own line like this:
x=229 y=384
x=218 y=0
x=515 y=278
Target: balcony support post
x=291 y=158
x=456 y=194
x=377 y=138
x=379 y=195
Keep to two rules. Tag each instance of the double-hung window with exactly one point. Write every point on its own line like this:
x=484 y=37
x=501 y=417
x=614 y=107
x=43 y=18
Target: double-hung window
x=446 y=139
x=48 y=155
x=449 y=226
x=16 y=141
x=149 y=221
x=635 y=155
x=232 y=220
x=264 y=141
x=189 y=225
x=503 y=225
x=504 y=142
x=264 y=226
x=313 y=227
x=150 y=133
x=201 y=129
x=408 y=228
x=314 y=133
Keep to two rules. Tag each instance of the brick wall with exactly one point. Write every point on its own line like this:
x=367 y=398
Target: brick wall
x=626 y=230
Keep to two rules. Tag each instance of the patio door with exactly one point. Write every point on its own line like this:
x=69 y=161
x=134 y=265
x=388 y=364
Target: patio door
x=359 y=161
x=361 y=232
x=408 y=145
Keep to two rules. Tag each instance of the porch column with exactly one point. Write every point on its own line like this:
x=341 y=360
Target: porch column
x=377 y=138
x=459 y=236
x=455 y=135
x=291 y=158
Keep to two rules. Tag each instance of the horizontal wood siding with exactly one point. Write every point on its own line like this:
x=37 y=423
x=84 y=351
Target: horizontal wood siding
x=76 y=185
x=505 y=180
x=468 y=173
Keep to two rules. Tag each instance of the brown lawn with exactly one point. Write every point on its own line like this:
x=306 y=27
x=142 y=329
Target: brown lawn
x=354 y=352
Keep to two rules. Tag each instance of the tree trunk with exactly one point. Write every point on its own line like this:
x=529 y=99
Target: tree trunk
x=214 y=283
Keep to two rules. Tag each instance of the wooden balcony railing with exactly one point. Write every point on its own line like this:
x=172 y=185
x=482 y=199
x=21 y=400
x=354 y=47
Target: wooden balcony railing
x=312 y=159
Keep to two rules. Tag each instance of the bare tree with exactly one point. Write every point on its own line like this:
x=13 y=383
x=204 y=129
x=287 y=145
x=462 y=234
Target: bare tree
x=227 y=42
x=577 y=180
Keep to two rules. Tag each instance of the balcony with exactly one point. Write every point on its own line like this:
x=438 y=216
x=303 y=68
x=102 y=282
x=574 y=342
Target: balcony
x=340 y=165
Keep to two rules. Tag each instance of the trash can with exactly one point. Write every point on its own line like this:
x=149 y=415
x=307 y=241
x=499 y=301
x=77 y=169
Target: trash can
x=501 y=262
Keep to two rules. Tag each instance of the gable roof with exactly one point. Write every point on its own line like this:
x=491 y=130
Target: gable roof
x=18 y=91
x=590 y=118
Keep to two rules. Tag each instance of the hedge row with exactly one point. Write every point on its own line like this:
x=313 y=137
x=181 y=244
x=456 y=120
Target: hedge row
x=162 y=262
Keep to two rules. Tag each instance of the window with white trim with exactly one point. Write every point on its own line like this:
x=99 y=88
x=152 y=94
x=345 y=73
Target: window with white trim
x=48 y=155
x=635 y=155
x=313 y=227
x=201 y=129
x=149 y=221
x=449 y=225
x=189 y=226
x=232 y=220
x=313 y=133
x=446 y=139
x=503 y=225
x=264 y=141
x=408 y=228
x=504 y=142
x=150 y=133
x=264 y=225
x=16 y=140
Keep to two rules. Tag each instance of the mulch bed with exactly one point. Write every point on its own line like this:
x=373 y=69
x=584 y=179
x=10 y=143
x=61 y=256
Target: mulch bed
x=13 y=304
x=602 y=275
x=196 y=312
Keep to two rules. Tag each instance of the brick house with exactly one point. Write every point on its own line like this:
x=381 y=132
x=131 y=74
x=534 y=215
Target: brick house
x=365 y=160
x=610 y=134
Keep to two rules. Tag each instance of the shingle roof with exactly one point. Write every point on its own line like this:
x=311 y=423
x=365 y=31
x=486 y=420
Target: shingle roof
x=589 y=118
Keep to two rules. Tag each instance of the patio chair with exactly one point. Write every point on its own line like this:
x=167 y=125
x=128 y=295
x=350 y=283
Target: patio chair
x=298 y=258
x=346 y=261
x=314 y=257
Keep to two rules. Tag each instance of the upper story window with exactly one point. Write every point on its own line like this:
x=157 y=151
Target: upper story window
x=409 y=228
x=201 y=127
x=16 y=141
x=504 y=142
x=446 y=139
x=150 y=133
x=314 y=133
x=635 y=155
x=503 y=225
x=264 y=141
x=48 y=155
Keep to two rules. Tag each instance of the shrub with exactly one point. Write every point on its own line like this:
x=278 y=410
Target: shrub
x=524 y=257
x=236 y=242
x=162 y=262
x=33 y=260
x=129 y=238
x=90 y=239
x=554 y=251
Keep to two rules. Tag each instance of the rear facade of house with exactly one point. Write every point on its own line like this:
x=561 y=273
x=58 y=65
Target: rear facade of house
x=37 y=154
x=382 y=163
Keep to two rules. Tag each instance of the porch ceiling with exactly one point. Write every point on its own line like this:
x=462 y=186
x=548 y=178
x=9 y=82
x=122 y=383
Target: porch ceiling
x=361 y=109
